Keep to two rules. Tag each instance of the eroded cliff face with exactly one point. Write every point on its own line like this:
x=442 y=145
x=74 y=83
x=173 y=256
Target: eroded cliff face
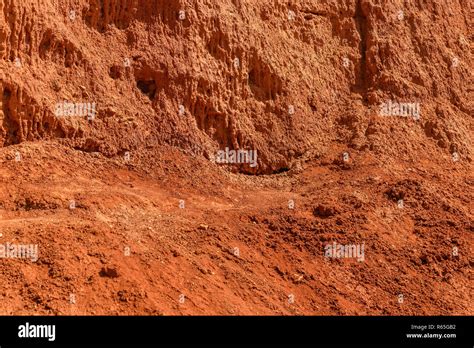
x=360 y=113
x=285 y=79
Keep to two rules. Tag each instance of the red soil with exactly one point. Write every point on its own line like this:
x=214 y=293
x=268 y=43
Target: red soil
x=168 y=231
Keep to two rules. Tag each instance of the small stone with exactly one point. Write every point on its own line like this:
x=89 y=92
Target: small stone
x=297 y=278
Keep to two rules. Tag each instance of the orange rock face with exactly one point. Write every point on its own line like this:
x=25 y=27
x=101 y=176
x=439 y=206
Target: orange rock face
x=236 y=157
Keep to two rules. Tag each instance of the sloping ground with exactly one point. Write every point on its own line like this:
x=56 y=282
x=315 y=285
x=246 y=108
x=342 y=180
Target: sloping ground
x=279 y=266
x=131 y=215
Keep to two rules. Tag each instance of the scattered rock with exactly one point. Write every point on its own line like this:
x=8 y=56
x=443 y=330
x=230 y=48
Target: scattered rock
x=324 y=211
x=109 y=272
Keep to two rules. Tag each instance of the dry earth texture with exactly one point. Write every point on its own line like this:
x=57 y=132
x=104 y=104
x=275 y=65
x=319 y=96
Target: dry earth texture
x=354 y=197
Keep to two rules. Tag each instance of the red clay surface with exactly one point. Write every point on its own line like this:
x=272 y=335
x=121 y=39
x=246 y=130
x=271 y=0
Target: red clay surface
x=166 y=231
